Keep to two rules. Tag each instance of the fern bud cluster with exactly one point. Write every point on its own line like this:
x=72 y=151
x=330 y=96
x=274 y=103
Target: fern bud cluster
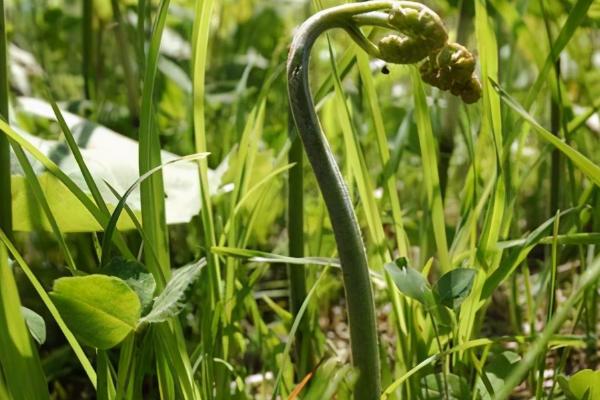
x=423 y=37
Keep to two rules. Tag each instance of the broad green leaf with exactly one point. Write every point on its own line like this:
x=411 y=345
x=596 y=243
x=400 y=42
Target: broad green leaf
x=168 y=304
x=136 y=276
x=585 y=381
x=101 y=310
x=409 y=281
x=35 y=323
x=454 y=286
x=70 y=214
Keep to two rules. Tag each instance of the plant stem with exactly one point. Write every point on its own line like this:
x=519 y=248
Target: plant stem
x=296 y=273
x=423 y=36
x=359 y=295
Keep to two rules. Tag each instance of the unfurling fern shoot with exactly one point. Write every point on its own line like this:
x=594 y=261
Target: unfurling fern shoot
x=416 y=34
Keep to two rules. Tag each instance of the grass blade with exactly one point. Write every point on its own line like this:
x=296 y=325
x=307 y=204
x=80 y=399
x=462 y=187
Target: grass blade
x=85 y=363
x=585 y=165
x=430 y=170
x=587 y=279
x=67 y=181
x=19 y=358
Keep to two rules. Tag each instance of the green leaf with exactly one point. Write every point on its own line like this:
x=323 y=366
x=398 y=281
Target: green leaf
x=584 y=164
x=19 y=360
x=70 y=213
x=509 y=264
x=496 y=372
x=168 y=303
x=101 y=310
x=434 y=388
x=327 y=379
x=563 y=382
x=409 y=281
x=35 y=323
x=585 y=381
x=428 y=146
x=135 y=275
x=454 y=286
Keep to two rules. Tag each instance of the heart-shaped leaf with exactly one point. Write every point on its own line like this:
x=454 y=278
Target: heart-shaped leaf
x=409 y=281
x=454 y=286
x=101 y=310
x=585 y=381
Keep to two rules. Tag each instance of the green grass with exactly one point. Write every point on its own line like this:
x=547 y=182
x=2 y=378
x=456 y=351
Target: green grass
x=508 y=186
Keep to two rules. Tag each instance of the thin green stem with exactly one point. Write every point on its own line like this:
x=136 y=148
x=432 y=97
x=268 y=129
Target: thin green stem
x=442 y=355
x=296 y=273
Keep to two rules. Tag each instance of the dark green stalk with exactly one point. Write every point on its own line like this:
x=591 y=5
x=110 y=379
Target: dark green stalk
x=359 y=295
x=424 y=37
x=296 y=273
x=5 y=186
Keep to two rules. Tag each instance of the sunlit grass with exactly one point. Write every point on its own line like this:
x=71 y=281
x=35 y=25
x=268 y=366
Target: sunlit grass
x=515 y=200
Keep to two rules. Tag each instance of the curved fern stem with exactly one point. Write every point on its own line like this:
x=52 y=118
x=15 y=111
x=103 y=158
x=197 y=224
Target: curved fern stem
x=418 y=34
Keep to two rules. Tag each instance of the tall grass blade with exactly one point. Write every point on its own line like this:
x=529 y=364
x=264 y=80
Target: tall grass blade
x=87 y=175
x=201 y=30
x=428 y=146
x=112 y=223
x=358 y=168
x=585 y=165
x=19 y=358
x=295 y=325
x=576 y=15
x=38 y=193
x=384 y=152
x=152 y=189
x=85 y=363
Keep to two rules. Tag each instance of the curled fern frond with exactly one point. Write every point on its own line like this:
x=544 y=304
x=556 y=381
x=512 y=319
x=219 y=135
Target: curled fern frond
x=452 y=68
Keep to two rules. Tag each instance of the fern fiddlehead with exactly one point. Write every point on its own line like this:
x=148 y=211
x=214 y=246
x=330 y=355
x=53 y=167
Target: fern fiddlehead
x=416 y=34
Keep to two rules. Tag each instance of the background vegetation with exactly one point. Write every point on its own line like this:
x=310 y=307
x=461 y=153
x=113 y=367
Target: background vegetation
x=507 y=187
